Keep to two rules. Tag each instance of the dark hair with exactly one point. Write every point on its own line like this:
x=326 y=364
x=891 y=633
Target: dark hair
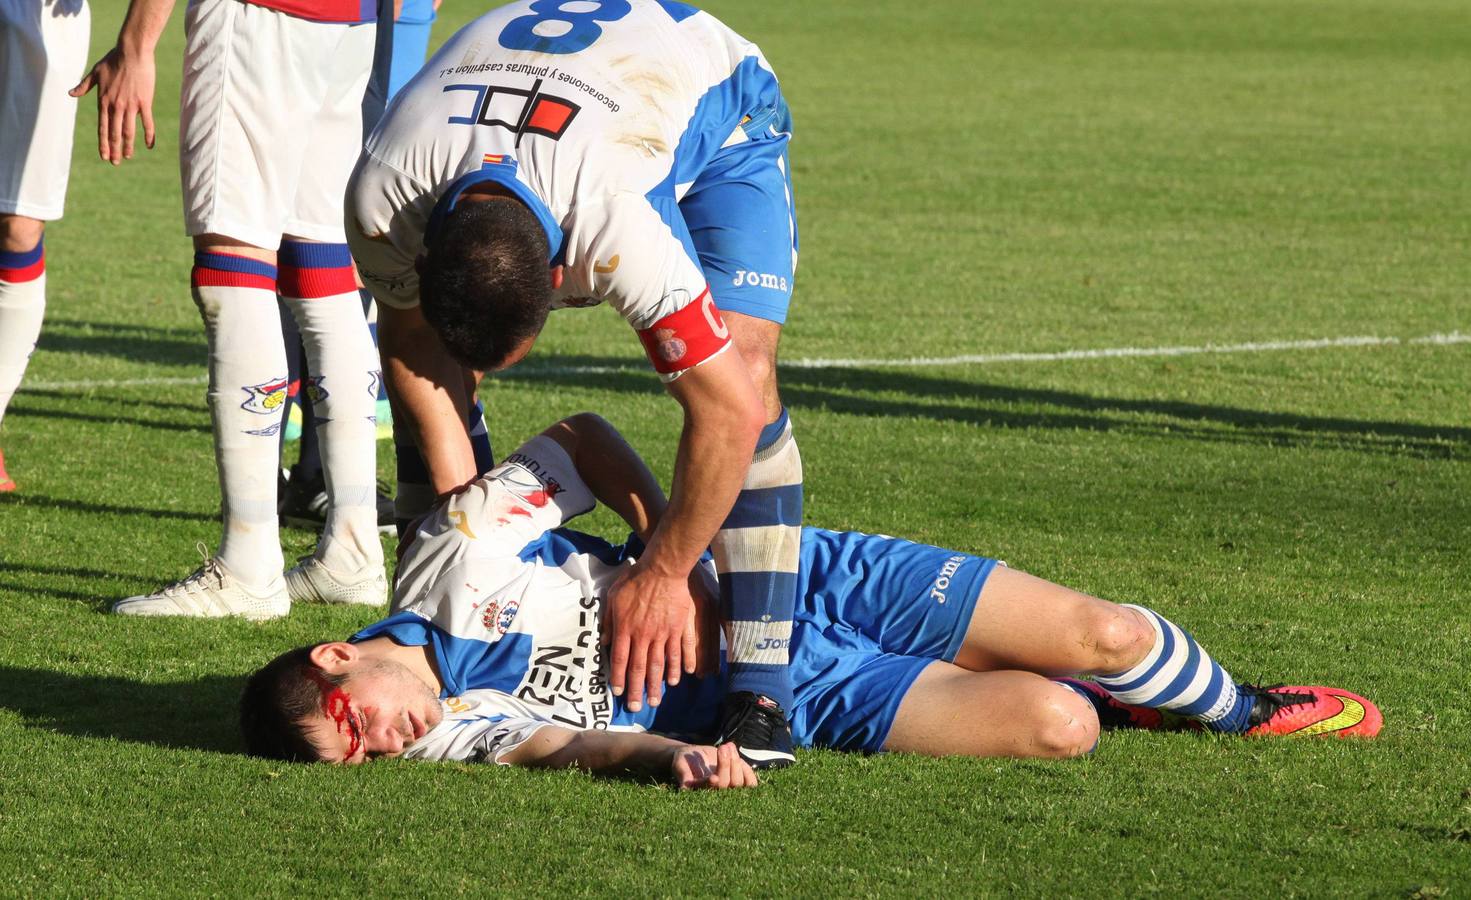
x=276 y=701
x=484 y=286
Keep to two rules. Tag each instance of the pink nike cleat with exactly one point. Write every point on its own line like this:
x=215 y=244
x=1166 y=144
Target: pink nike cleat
x=1304 y=711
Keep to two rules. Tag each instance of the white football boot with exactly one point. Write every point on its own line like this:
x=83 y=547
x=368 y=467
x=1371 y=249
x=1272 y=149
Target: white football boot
x=211 y=591
x=312 y=582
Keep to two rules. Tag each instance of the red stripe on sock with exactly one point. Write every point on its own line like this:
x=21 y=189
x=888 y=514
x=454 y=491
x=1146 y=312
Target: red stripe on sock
x=24 y=273
x=309 y=284
x=203 y=277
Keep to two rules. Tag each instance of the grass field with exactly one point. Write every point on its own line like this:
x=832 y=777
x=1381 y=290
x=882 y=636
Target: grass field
x=974 y=180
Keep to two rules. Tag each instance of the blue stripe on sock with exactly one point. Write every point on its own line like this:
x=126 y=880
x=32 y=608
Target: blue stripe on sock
x=760 y=594
x=224 y=262
x=20 y=259
x=1180 y=681
x=1238 y=718
x=771 y=432
x=759 y=678
x=1167 y=649
x=308 y=255
x=756 y=507
x=1211 y=695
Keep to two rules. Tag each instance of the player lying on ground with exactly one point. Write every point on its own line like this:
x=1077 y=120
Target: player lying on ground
x=494 y=652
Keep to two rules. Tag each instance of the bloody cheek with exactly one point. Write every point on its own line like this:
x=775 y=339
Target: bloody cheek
x=338 y=706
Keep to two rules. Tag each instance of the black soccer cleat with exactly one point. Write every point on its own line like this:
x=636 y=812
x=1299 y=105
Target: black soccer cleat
x=302 y=503
x=758 y=727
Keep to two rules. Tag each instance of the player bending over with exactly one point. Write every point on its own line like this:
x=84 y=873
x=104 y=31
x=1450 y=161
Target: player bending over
x=494 y=652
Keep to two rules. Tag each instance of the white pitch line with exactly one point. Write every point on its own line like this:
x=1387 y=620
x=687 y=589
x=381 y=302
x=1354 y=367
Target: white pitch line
x=111 y=383
x=981 y=359
x=1454 y=337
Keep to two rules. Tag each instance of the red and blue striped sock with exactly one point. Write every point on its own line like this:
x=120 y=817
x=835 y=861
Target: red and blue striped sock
x=22 y=308
x=318 y=286
x=236 y=296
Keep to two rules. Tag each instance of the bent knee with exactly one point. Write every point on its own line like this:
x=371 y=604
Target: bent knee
x=1064 y=724
x=1120 y=637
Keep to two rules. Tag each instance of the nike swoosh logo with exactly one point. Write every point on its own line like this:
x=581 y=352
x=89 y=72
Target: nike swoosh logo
x=1351 y=714
x=764 y=755
x=604 y=270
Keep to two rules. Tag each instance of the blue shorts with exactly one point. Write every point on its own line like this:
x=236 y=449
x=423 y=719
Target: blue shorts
x=742 y=221
x=872 y=613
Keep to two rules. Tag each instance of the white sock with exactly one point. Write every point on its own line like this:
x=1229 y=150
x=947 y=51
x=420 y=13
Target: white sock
x=22 y=307
x=317 y=284
x=247 y=396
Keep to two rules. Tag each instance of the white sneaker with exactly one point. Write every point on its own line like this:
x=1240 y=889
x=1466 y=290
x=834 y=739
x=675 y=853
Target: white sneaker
x=210 y=592
x=312 y=582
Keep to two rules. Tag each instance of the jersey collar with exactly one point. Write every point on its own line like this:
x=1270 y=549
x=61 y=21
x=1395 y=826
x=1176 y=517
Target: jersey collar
x=501 y=170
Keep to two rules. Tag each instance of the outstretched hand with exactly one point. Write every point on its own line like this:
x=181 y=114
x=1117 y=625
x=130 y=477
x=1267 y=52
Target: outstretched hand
x=124 y=85
x=711 y=768
x=651 y=629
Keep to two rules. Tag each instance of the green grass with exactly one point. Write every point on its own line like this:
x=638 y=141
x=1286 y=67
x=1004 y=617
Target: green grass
x=971 y=179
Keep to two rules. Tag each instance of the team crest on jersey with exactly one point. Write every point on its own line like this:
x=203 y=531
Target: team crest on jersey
x=507 y=616
x=265 y=399
x=491 y=615
x=520 y=110
x=671 y=348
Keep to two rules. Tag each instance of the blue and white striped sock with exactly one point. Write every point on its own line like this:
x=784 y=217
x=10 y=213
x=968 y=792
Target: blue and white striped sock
x=1178 y=676
x=757 y=551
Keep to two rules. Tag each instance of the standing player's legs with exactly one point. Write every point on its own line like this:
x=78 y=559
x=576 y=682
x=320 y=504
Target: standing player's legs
x=43 y=46
x=410 y=41
x=742 y=224
x=22 y=307
x=319 y=286
x=256 y=82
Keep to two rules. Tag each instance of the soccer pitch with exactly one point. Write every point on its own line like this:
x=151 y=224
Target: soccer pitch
x=1165 y=301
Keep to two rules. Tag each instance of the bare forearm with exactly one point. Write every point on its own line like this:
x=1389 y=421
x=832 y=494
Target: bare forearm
x=723 y=419
x=599 y=752
x=613 y=470
x=429 y=396
x=143 y=25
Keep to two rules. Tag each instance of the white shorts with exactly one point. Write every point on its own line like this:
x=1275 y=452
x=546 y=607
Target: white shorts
x=270 y=122
x=43 y=54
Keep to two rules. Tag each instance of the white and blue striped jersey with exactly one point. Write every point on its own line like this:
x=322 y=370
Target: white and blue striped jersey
x=599 y=120
x=512 y=609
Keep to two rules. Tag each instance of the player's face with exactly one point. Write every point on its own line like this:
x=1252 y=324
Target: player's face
x=380 y=709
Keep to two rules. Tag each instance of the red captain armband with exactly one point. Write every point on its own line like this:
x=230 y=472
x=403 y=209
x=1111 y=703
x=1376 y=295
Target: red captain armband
x=686 y=337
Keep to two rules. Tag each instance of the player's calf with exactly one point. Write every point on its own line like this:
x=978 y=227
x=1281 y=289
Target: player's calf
x=950 y=711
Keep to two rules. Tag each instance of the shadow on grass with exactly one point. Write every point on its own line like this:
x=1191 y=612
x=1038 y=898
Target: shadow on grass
x=187 y=715
x=198 y=409
x=138 y=343
x=42 y=501
x=100 y=599
x=31 y=410
x=910 y=395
